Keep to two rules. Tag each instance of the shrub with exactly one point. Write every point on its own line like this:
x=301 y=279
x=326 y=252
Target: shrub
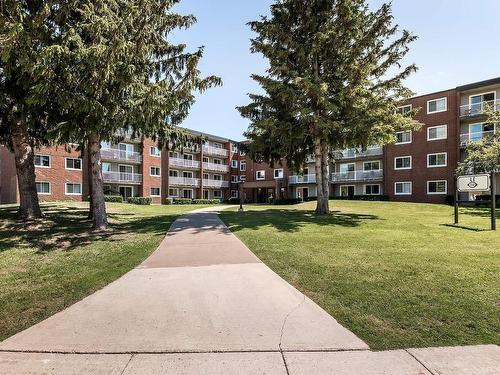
x=169 y=201
x=206 y=201
x=183 y=200
x=142 y=201
x=364 y=198
x=486 y=198
x=113 y=198
x=233 y=201
x=287 y=201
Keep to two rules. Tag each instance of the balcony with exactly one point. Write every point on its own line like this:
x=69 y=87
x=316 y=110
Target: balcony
x=184 y=181
x=215 y=184
x=216 y=167
x=477 y=109
x=121 y=177
x=467 y=138
x=352 y=153
x=209 y=150
x=115 y=154
x=305 y=179
x=184 y=163
x=357 y=176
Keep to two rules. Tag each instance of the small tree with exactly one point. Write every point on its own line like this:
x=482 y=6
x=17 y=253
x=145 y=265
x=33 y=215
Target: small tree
x=335 y=81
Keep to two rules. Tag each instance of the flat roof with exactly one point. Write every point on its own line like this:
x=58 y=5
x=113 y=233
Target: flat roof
x=209 y=136
x=475 y=85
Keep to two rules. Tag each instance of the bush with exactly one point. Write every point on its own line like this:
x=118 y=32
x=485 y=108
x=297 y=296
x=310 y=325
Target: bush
x=364 y=198
x=113 y=198
x=486 y=198
x=183 y=200
x=142 y=201
x=169 y=201
x=233 y=201
x=206 y=201
x=287 y=201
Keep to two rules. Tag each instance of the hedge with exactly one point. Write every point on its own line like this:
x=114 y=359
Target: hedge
x=113 y=198
x=364 y=198
x=206 y=201
x=142 y=201
x=183 y=201
x=287 y=201
x=233 y=201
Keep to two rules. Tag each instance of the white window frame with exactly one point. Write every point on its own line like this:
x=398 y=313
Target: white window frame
x=405 y=143
x=190 y=173
x=151 y=171
x=45 y=182
x=217 y=191
x=217 y=177
x=437 y=166
x=243 y=166
x=234 y=193
x=127 y=166
x=435 y=100
x=483 y=94
x=173 y=195
x=436 y=127
x=263 y=175
x=243 y=178
x=151 y=193
x=404 y=168
x=280 y=173
x=403 y=182
x=372 y=161
x=217 y=161
x=234 y=148
x=72 y=183
x=379 y=189
x=217 y=145
x=404 y=106
x=154 y=154
x=72 y=169
x=43 y=166
x=438 y=193
x=191 y=190
x=234 y=164
x=346 y=186
x=347 y=164
x=234 y=179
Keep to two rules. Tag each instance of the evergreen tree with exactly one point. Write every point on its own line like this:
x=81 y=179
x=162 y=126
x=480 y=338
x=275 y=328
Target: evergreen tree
x=334 y=81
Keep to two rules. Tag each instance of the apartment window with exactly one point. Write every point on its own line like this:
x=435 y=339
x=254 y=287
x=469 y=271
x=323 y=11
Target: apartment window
x=278 y=173
x=437 y=160
x=154 y=151
x=73 y=189
x=242 y=153
x=402 y=162
x=218 y=161
x=217 y=145
x=371 y=166
x=403 y=188
x=480 y=130
x=217 y=177
x=187 y=157
x=234 y=164
x=372 y=189
x=43 y=188
x=206 y=176
x=476 y=102
x=234 y=193
x=403 y=137
x=42 y=161
x=234 y=179
x=155 y=171
x=155 y=191
x=217 y=194
x=404 y=109
x=187 y=174
x=106 y=167
x=243 y=178
x=205 y=159
x=437 y=132
x=173 y=192
x=437 y=187
x=243 y=165
x=437 y=105
x=234 y=148
x=347 y=190
x=348 y=167
x=260 y=175
x=75 y=164
x=173 y=154
x=173 y=173
x=187 y=193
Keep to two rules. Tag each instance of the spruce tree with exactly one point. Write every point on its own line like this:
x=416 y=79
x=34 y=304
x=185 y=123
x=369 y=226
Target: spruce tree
x=334 y=81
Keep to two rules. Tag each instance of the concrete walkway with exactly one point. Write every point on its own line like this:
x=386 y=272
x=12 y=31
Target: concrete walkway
x=204 y=304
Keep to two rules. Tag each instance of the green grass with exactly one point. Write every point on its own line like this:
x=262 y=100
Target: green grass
x=47 y=266
x=396 y=274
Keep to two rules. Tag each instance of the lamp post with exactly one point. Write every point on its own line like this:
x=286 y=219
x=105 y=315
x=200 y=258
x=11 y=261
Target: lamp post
x=241 y=195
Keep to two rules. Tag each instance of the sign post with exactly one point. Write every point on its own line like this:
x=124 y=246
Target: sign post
x=493 y=202
x=475 y=184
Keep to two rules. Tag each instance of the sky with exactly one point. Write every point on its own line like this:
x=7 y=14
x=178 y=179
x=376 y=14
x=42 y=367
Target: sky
x=458 y=43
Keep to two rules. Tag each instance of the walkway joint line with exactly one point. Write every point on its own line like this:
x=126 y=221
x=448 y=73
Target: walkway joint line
x=419 y=361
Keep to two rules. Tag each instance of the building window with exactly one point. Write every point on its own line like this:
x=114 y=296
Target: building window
x=242 y=153
x=217 y=177
x=372 y=189
x=187 y=174
x=42 y=161
x=402 y=162
x=216 y=145
x=187 y=193
x=404 y=109
x=173 y=154
x=243 y=165
x=437 y=132
x=217 y=194
x=437 y=105
x=173 y=173
x=234 y=164
x=234 y=179
x=371 y=166
x=218 y=161
x=243 y=178
x=234 y=148
x=437 y=187
x=403 y=138
x=155 y=171
x=154 y=151
x=260 y=175
x=234 y=193
x=437 y=160
x=278 y=173
x=155 y=191
x=73 y=189
x=347 y=190
x=75 y=164
x=43 y=188
x=173 y=192
x=403 y=188
x=347 y=167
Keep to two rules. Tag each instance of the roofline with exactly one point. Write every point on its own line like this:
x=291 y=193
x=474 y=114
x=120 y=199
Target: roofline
x=210 y=136
x=488 y=82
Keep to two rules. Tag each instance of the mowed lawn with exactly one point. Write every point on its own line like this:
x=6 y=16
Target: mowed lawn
x=393 y=273
x=47 y=266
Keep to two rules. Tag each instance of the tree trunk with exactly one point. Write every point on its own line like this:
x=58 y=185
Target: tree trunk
x=89 y=183
x=99 y=219
x=322 y=195
x=326 y=177
x=29 y=207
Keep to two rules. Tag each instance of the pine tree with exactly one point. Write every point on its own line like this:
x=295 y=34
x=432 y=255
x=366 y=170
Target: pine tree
x=334 y=81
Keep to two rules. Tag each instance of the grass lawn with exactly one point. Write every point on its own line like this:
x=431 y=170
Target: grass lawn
x=393 y=273
x=50 y=265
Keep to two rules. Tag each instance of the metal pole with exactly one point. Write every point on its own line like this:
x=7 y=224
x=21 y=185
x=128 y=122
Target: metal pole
x=241 y=196
x=493 y=202
x=456 y=200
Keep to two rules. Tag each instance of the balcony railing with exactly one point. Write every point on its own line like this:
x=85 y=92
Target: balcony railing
x=184 y=163
x=466 y=138
x=121 y=155
x=354 y=153
x=184 y=181
x=305 y=179
x=209 y=150
x=216 y=167
x=357 y=176
x=479 y=108
x=121 y=177
x=215 y=184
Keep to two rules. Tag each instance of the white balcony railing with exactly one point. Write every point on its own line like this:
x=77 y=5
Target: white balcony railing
x=305 y=179
x=116 y=154
x=184 y=181
x=210 y=150
x=121 y=177
x=357 y=176
x=216 y=167
x=352 y=153
x=184 y=163
x=478 y=108
x=215 y=183
x=466 y=138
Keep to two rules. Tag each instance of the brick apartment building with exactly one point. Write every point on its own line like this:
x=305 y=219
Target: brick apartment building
x=419 y=167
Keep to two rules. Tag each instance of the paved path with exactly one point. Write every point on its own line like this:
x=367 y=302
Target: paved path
x=204 y=304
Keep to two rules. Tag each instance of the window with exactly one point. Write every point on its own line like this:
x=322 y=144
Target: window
x=476 y=102
x=347 y=190
x=205 y=159
x=437 y=187
x=173 y=154
x=243 y=178
x=217 y=194
x=217 y=161
x=187 y=174
x=126 y=169
x=187 y=157
x=278 y=173
x=260 y=175
x=234 y=179
x=155 y=191
x=173 y=192
x=242 y=153
x=437 y=132
x=437 y=105
x=234 y=148
x=234 y=193
x=243 y=165
x=154 y=151
x=437 y=160
x=106 y=167
x=371 y=166
x=187 y=193
x=42 y=161
x=404 y=109
x=73 y=189
x=234 y=164
x=206 y=176
x=217 y=145
x=155 y=171
x=372 y=189
x=75 y=164
x=403 y=188
x=217 y=177
x=173 y=173
x=43 y=188
x=348 y=167
x=480 y=130
x=403 y=137
x=402 y=162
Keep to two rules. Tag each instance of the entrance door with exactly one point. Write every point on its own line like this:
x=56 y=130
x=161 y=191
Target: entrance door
x=126 y=192
x=205 y=194
x=187 y=193
x=303 y=193
x=347 y=191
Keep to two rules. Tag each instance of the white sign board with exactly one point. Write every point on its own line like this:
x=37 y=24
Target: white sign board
x=473 y=183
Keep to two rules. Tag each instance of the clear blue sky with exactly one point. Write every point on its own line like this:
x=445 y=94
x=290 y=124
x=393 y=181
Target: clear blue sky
x=458 y=44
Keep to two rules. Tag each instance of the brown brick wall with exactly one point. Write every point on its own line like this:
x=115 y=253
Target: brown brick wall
x=149 y=181
x=8 y=178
